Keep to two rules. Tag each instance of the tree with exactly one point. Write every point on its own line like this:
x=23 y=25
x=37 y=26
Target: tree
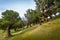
x=45 y=7
x=32 y=16
x=9 y=18
x=28 y=16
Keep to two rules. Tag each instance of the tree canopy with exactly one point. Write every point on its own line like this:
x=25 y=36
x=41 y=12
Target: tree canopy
x=10 y=18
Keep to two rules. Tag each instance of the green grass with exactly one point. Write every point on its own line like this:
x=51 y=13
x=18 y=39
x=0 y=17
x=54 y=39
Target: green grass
x=47 y=31
x=2 y=34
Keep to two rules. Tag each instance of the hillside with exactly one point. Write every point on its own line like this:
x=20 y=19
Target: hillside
x=47 y=31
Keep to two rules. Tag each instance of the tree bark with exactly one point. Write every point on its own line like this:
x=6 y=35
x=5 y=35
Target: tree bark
x=15 y=29
x=8 y=31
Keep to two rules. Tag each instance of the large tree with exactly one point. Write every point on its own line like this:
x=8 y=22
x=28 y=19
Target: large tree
x=46 y=7
x=32 y=16
x=9 y=18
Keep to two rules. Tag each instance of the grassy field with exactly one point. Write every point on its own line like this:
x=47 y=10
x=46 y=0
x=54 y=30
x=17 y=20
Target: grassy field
x=47 y=31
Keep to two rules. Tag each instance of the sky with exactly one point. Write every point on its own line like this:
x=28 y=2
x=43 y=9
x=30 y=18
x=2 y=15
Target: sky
x=17 y=5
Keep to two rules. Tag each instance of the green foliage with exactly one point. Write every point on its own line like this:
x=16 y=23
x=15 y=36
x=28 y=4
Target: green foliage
x=10 y=17
x=4 y=24
x=57 y=3
x=32 y=16
x=18 y=24
x=50 y=6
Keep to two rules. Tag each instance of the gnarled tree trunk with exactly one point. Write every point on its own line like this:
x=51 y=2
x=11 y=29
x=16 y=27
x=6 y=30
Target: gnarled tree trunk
x=8 y=31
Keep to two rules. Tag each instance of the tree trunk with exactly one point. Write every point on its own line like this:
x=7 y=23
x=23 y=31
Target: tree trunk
x=27 y=25
x=8 y=31
x=15 y=29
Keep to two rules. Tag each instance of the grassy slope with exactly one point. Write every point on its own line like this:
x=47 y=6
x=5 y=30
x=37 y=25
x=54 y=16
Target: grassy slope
x=47 y=31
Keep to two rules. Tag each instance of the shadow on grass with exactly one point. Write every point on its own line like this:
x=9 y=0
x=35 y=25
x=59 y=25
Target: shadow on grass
x=21 y=32
x=25 y=30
